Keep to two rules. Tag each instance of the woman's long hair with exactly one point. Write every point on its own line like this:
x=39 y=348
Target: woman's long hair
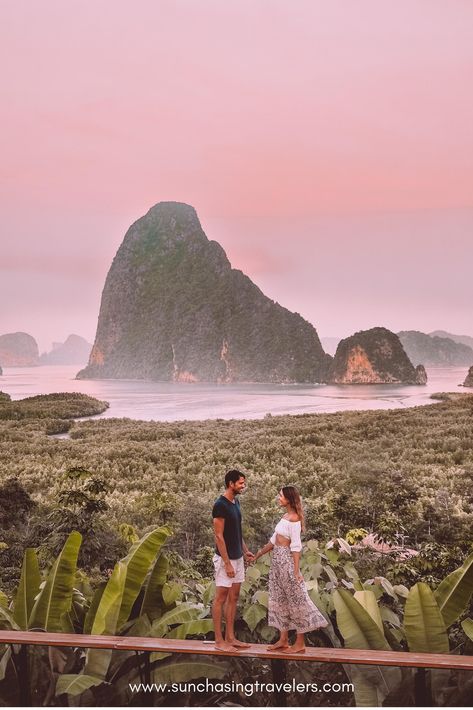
x=293 y=496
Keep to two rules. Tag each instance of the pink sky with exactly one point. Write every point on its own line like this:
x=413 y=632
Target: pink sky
x=326 y=145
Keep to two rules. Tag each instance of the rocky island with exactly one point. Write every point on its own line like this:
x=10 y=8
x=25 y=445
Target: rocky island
x=374 y=356
x=463 y=339
x=74 y=351
x=469 y=378
x=434 y=350
x=18 y=350
x=174 y=309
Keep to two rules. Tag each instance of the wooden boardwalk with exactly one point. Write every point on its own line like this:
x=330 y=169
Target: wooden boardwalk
x=313 y=654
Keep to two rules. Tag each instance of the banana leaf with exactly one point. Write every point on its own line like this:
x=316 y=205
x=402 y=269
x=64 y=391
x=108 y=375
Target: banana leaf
x=368 y=601
x=209 y=593
x=55 y=597
x=454 y=592
x=401 y=590
x=350 y=571
x=28 y=588
x=359 y=630
x=467 y=626
x=90 y=616
x=253 y=574
x=367 y=691
x=125 y=583
x=423 y=622
x=75 y=684
x=4 y=659
x=105 y=621
x=106 y=615
x=179 y=615
x=153 y=599
x=171 y=592
x=6 y=619
x=387 y=614
x=253 y=615
x=191 y=628
x=139 y=627
x=3 y=600
x=262 y=597
x=137 y=564
x=356 y=625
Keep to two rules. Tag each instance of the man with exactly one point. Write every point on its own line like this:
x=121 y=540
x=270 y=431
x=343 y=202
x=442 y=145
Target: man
x=228 y=560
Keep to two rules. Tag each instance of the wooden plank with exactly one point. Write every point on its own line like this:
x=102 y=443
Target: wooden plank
x=314 y=654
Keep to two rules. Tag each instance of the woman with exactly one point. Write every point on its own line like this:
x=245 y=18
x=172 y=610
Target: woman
x=290 y=606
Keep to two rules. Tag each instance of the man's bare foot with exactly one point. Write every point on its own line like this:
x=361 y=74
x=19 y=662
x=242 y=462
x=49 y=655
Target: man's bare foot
x=278 y=644
x=295 y=649
x=239 y=644
x=224 y=646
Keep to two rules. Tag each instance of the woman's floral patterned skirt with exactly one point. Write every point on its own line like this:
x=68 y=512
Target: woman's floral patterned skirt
x=290 y=606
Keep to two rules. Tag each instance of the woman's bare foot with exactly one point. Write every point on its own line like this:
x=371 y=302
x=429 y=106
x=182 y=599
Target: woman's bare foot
x=278 y=644
x=295 y=649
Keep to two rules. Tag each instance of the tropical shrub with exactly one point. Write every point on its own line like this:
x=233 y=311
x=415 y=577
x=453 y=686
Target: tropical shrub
x=143 y=597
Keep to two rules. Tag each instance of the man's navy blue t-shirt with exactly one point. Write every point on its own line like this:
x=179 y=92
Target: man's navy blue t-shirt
x=223 y=508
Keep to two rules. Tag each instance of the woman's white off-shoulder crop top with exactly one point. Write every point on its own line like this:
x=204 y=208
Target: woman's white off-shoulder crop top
x=291 y=530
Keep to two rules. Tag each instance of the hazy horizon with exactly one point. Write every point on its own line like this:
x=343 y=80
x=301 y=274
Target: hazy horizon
x=327 y=148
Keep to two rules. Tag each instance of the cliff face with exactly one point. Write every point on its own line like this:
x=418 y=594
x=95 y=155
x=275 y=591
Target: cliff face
x=173 y=309
x=434 y=350
x=18 y=350
x=74 y=351
x=469 y=378
x=374 y=356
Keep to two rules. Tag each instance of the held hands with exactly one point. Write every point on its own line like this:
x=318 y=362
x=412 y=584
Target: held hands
x=249 y=557
x=299 y=577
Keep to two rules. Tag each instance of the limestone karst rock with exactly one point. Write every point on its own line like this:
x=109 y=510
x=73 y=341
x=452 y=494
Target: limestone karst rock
x=174 y=309
x=469 y=378
x=374 y=356
x=464 y=339
x=434 y=350
x=74 y=351
x=18 y=350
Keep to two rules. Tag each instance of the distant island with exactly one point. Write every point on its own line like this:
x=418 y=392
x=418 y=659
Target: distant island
x=74 y=351
x=469 y=378
x=18 y=350
x=374 y=356
x=463 y=339
x=435 y=351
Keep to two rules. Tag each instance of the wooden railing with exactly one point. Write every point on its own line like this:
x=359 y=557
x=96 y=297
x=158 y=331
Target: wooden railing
x=148 y=645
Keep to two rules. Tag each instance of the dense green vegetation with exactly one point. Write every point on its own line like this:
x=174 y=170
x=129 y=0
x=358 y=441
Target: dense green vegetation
x=406 y=475
x=61 y=405
x=145 y=595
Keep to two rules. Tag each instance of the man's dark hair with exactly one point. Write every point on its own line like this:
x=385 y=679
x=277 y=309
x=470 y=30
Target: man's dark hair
x=233 y=476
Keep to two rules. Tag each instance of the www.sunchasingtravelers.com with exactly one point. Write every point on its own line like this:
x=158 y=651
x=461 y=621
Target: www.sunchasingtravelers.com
x=233 y=687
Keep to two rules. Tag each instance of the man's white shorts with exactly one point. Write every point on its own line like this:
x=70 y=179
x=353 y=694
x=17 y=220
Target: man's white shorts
x=221 y=577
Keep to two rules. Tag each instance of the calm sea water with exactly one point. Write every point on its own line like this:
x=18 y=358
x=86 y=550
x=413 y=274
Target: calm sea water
x=170 y=402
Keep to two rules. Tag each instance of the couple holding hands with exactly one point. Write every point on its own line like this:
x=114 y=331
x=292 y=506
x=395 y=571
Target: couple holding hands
x=289 y=607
